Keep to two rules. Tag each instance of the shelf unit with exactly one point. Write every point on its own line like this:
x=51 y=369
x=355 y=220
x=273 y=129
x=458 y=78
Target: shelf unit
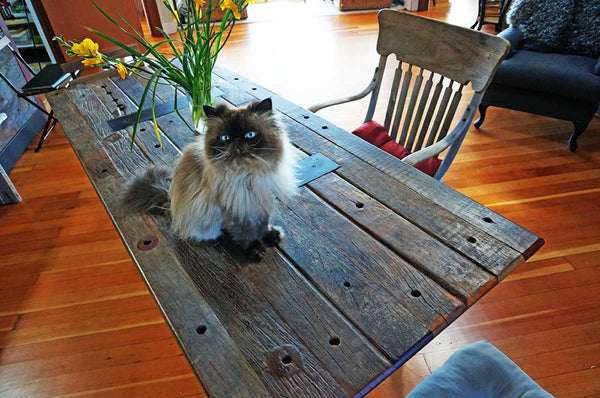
x=24 y=29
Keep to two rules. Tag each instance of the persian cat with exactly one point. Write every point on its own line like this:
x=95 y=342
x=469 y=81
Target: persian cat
x=226 y=180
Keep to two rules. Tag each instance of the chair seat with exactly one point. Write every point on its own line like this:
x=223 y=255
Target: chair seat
x=568 y=75
x=48 y=79
x=475 y=371
x=377 y=135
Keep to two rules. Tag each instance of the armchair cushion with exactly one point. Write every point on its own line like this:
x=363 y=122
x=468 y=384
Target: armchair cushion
x=567 y=75
x=478 y=370
x=377 y=135
x=514 y=36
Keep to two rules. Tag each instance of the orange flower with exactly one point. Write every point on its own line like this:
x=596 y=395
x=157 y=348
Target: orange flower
x=87 y=48
x=93 y=61
x=232 y=6
x=122 y=70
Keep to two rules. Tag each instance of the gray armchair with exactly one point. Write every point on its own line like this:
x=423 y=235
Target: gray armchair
x=560 y=86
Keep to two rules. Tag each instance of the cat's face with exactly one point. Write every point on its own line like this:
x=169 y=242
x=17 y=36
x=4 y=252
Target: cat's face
x=247 y=138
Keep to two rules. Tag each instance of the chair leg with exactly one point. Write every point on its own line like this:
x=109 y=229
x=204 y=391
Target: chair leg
x=47 y=129
x=579 y=129
x=482 y=110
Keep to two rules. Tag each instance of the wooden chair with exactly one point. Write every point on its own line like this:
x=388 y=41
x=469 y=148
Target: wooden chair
x=435 y=61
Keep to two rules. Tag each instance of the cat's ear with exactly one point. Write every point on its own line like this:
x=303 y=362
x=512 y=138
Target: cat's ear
x=264 y=106
x=209 y=111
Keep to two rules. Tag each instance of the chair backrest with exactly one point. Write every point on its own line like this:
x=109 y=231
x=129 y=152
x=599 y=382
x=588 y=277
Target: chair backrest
x=435 y=61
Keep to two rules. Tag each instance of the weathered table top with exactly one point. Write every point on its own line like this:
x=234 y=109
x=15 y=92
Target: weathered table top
x=378 y=258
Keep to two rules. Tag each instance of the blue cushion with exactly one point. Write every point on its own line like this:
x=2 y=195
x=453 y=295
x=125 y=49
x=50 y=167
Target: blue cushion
x=478 y=370
x=567 y=75
x=514 y=36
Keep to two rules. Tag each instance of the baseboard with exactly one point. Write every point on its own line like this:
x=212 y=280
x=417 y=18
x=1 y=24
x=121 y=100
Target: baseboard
x=18 y=144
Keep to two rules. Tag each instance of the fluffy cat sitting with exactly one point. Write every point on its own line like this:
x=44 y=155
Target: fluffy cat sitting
x=226 y=180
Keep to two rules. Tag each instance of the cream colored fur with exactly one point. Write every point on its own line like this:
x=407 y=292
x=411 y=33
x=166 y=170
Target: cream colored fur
x=204 y=199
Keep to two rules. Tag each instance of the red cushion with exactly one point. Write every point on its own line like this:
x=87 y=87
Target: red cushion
x=373 y=132
x=376 y=134
x=429 y=166
x=395 y=149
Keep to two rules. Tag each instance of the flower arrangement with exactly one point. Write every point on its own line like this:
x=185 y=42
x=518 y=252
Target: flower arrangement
x=184 y=62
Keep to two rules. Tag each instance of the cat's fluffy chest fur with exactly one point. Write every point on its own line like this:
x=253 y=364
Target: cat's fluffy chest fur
x=204 y=200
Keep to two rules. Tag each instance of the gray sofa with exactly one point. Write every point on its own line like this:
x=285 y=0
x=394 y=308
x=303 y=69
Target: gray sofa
x=561 y=86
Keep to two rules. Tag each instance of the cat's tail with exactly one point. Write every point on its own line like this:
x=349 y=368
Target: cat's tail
x=149 y=192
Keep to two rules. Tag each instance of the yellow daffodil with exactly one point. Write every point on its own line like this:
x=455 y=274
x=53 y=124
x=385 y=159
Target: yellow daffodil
x=93 y=61
x=248 y=1
x=232 y=6
x=87 y=48
x=175 y=16
x=122 y=70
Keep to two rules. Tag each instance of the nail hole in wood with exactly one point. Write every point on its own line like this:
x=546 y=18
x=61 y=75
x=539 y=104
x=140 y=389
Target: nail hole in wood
x=236 y=78
x=306 y=116
x=471 y=239
x=286 y=360
x=334 y=341
x=415 y=293
x=488 y=220
x=156 y=145
x=104 y=170
x=347 y=284
x=360 y=205
x=147 y=243
x=170 y=121
x=142 y=129
x=324 y=127
x=253 y=88
x=201 y=329
x=464 y=119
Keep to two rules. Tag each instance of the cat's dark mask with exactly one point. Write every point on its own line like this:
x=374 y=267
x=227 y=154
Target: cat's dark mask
x=249 y=137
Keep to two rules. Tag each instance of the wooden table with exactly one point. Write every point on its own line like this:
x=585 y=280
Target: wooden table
x=378 y=258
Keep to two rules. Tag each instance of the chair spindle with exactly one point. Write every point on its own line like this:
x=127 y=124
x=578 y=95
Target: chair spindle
x=400 y=106
x=440 y=114
x=393 y=96
x=420 y=111
x=411 y=107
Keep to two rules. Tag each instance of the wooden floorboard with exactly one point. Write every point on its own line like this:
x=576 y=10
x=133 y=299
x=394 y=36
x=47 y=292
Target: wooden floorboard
x=77 y=320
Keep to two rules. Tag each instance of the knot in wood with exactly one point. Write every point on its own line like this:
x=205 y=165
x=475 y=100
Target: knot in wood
x=284 y=361
x=113 y=137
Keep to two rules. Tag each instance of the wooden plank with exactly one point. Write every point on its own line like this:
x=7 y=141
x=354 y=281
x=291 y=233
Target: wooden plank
x=456 y=273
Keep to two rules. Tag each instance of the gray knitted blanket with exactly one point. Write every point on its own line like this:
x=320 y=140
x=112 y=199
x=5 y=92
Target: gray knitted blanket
x=558 y=26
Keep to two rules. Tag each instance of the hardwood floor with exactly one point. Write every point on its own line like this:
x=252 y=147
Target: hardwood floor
x=76 y=318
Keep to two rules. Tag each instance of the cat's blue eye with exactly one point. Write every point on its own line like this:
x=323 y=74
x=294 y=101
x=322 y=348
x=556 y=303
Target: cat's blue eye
x=224 y=138
x=250 y=134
